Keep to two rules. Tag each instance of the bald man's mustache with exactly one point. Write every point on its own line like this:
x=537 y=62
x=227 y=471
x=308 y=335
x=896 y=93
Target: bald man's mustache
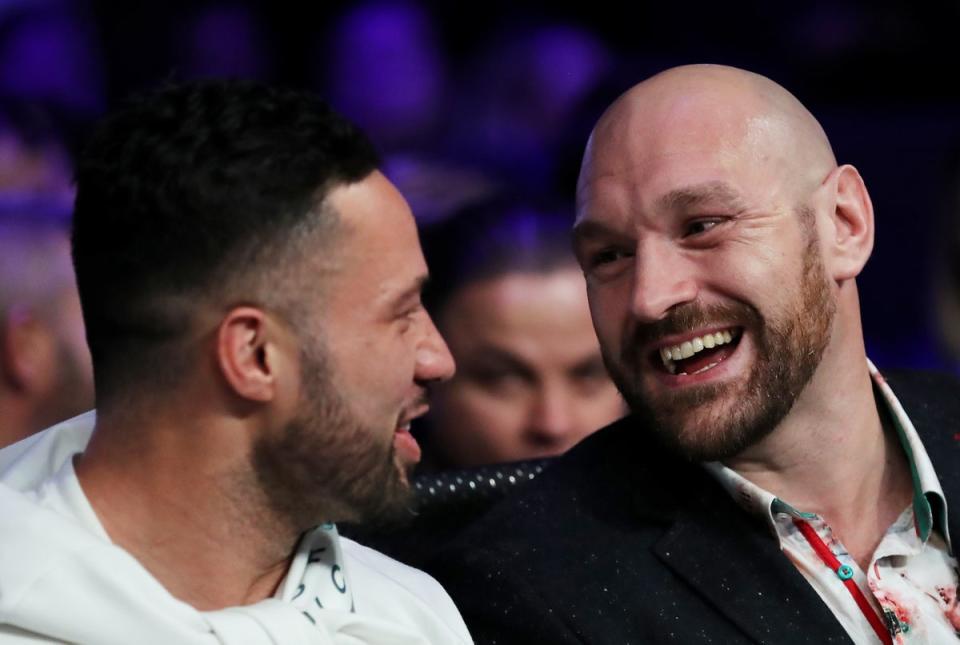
x=685 y=318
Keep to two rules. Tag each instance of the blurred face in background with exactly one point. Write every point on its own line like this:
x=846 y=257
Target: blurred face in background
x=46 y=374
x=530 y=380
x=72 y=382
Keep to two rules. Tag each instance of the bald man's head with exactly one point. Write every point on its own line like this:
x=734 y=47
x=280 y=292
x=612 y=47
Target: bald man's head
x=719 y=240
x=739 y=117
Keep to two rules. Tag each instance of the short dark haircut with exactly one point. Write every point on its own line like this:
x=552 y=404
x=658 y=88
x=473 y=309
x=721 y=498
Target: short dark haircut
x=494 y=238
x=186 y=196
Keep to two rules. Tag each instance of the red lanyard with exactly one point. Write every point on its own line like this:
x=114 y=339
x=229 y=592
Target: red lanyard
x=845 y=573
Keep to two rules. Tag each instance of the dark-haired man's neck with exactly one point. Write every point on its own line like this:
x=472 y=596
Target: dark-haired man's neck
x=172 y=495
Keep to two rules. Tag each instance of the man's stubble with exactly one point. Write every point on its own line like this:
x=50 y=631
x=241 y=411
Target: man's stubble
x=693 y=422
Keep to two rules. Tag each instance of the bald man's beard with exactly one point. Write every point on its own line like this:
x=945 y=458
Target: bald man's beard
x=713 y=422
x=326 y=465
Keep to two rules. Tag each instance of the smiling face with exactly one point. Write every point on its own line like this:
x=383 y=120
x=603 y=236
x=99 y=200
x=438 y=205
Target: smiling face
x=368 y=351
x=384 y=349
x=530 y=380
x=704 y=269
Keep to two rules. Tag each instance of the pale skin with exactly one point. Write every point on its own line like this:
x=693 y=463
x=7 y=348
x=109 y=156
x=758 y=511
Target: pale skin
x=694 y=176
x=169 y=475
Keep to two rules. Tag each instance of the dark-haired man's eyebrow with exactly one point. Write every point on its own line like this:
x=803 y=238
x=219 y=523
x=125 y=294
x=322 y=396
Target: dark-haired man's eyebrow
x=409 y=296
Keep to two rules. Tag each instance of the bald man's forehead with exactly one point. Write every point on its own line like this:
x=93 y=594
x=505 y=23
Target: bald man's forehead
x=710 y=116
x=661 y=118
x=641 y=145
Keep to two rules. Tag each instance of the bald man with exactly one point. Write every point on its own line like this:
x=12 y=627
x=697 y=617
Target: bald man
x=770 y=486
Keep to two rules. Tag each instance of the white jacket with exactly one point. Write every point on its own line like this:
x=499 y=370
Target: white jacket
x=61 y=580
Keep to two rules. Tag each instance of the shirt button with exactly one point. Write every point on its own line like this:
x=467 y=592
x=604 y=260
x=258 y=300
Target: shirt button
x=845 y=572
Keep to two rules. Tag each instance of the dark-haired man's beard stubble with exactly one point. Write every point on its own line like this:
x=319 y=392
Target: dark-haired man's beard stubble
x=327 y=465
x=716 y=421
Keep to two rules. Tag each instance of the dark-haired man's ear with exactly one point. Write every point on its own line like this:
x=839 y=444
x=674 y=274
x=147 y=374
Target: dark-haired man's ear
x=248 y=354
x=849 y=243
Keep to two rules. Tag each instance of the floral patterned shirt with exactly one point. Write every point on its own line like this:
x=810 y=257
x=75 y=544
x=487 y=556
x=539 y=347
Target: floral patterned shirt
x=912 y=578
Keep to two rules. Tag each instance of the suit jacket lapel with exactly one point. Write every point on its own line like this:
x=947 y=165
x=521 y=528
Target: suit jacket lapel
x=734 y=562
x=932 y=402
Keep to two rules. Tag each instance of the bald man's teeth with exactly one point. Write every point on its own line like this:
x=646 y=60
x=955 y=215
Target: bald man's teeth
x=686 y=349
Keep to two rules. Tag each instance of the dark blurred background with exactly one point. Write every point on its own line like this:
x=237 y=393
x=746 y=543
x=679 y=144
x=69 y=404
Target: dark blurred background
x=470 y=99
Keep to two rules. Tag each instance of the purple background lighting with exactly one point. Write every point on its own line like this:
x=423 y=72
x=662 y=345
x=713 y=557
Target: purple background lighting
x=471 y=99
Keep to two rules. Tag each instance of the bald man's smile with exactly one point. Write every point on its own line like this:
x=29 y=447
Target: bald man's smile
x=699 y=353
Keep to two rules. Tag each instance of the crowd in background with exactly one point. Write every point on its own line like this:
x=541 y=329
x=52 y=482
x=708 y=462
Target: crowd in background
x=473 y=105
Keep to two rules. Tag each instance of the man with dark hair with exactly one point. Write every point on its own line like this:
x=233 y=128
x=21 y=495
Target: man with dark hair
x=511 y=303
x=251 y=289
x=769 y=487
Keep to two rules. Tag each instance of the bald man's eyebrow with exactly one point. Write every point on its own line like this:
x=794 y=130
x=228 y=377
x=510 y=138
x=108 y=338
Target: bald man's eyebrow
x=585 y=230
x=714 y=193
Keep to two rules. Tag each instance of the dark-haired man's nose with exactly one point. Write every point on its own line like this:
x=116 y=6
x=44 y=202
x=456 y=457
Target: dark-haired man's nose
x=434 y=361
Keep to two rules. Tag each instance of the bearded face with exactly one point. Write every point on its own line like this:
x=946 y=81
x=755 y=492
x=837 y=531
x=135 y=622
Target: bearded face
x=327 y=465
x=717 y=420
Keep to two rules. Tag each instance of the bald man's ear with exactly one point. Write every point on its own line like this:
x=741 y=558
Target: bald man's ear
x=849 y=240
x=249 y=354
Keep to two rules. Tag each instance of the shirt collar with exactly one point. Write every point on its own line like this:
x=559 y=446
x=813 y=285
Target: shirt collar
x=929 y=502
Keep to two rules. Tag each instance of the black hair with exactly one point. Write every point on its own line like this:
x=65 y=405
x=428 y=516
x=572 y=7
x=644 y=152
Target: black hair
x=188 y=195
x=492 y=239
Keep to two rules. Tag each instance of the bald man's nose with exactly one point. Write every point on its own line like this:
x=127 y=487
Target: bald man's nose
x=663 y=279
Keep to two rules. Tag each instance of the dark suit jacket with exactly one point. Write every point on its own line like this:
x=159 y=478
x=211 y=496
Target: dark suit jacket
x=619 y=542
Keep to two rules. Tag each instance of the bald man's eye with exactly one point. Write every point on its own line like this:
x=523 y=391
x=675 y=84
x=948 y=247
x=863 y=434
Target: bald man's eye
x=701 y=226
x=606 y=256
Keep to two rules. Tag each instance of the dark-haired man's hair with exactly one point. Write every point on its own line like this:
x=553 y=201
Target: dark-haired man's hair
x=188 y=197
x=492 y=239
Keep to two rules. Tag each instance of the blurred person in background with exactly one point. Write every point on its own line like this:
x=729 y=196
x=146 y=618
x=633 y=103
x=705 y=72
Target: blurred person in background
x=390 y=74
x=392 y=78
x=947 y=280
x=45 y=370
x=511 y=303
x=510 y=300
x=522 y=92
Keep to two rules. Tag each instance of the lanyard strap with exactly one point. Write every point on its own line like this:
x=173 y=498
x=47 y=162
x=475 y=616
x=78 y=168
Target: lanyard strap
x=845 y=573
